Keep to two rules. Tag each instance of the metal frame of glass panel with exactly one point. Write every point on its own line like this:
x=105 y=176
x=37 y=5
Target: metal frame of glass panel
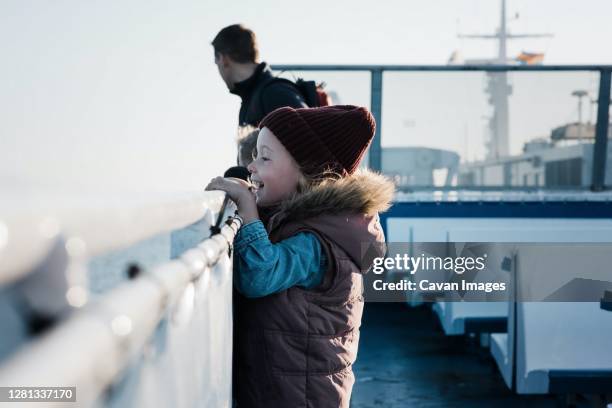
x=376 y=90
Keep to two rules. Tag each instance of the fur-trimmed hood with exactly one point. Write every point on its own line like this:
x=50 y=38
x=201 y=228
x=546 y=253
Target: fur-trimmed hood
x=363 y=192
x=344 y=209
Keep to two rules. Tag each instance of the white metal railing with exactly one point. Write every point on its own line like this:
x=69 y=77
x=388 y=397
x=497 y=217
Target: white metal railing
x=95 y=343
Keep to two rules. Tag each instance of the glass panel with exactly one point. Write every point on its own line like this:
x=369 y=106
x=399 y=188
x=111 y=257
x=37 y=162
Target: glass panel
x=342 y=86
x=489 y=129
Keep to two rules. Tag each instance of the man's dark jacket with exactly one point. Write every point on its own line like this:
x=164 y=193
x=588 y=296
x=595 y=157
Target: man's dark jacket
x=261 y=94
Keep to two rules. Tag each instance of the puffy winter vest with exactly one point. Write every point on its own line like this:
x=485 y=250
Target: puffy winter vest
x=296 y=348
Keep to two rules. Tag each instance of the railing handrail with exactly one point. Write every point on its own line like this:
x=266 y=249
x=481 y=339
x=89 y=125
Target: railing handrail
x=123 y=320
x=469 y=67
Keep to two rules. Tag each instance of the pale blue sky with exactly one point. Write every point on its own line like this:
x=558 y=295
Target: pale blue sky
x=124 y=96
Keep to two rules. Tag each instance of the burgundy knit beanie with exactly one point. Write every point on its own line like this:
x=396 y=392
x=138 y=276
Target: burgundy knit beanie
x=333 y=137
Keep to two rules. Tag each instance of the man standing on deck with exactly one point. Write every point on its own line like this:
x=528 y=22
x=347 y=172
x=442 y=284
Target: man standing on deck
x=237 y=58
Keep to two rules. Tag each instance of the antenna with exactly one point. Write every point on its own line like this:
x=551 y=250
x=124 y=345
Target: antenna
x=503 y=35
x=579 y=93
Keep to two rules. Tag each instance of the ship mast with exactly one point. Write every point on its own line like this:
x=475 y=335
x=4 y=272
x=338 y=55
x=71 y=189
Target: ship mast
x=503 y=35
x=498 y=88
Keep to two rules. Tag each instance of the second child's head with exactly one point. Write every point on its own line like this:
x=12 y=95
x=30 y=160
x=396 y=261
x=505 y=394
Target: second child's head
x=247 y=143
x=298 y=148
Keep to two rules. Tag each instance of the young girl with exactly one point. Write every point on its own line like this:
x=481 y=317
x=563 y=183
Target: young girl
x=299 y=257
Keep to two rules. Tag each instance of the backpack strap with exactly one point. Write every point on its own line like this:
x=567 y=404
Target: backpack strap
x=256 y=104
x=275 y=80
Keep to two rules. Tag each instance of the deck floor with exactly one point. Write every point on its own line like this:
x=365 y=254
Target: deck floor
x=405 y=360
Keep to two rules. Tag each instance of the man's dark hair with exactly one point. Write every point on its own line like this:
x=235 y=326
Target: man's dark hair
x=237 y=42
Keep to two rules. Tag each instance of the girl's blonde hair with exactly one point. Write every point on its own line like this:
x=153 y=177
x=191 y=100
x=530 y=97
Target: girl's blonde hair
x=309 y=179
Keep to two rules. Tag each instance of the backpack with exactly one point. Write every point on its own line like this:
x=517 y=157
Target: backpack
x=314 y=96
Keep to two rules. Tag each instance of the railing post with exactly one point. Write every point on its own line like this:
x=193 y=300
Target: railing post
x=375 y=154
x=600 y=149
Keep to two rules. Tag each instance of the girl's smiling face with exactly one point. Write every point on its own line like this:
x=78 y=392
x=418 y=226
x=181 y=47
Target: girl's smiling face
x=274 y=172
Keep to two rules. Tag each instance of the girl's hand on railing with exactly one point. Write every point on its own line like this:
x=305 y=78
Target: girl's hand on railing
x=240 y=192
